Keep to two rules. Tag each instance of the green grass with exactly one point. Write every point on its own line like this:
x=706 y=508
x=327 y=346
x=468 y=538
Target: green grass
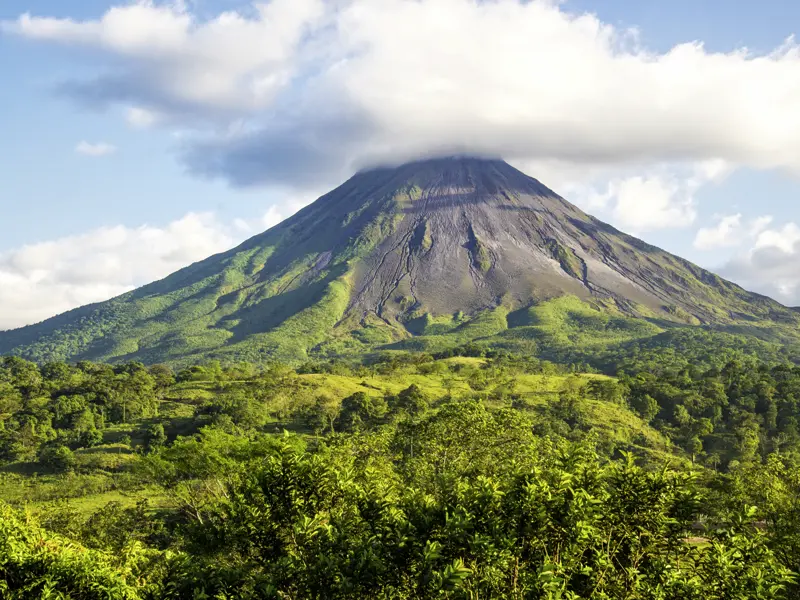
x=479 y=253
x=108 y=472
x=18 y=488
x=296 y=335
x=453 y=330
x=89 y=504
x=618 y=422
x=570 y=321
x=568 y=260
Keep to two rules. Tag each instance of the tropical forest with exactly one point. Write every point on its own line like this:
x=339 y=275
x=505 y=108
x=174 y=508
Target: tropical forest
x=439 y=381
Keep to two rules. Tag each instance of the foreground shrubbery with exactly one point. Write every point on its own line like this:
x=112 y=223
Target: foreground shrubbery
x=463 y=503
x=303 y=527
x=36 y=564
x=410 y=477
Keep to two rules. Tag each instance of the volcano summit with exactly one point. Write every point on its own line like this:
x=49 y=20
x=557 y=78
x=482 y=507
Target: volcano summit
x=430 y=248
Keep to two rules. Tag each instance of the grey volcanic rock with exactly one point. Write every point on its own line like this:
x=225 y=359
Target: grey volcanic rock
x=478 y=232
x=388 y=246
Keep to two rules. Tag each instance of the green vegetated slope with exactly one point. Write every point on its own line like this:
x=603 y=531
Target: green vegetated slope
x=131 y=404
x=570 y=330
x=421 y=256
x=277 y=294
x=493 y=475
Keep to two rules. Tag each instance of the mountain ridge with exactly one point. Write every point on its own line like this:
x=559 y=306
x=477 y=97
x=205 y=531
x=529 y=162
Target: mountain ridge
x=356 y=269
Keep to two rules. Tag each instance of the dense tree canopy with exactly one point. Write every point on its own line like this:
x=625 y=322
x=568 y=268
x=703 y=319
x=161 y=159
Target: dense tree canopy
x=410 y=476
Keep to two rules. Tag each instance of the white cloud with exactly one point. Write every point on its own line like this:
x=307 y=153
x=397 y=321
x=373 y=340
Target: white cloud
x=641 y=198
x=759 y=224
x=729 y=232
x=233 y=62
x=271 y=218
x=785 y=238
x=333 y=85
x=98 y=149
x=772 y=265
x=644 y=203
x=40 y=280
x=141 y=118
x=726 y=233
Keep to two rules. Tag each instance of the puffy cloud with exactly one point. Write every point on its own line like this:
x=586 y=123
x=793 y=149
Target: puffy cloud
x=46 y=278
x=640 y=199
x=325 y=87
x=174 y=63
x=141 y=118
x=725 y=233
x=643 y=203
x=729 y=232
x=770 y=266
x=784 y=239
x=40 y=280
x=758 y=225
x=97 y=149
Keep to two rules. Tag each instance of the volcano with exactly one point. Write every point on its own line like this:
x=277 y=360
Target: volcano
x=429 y=246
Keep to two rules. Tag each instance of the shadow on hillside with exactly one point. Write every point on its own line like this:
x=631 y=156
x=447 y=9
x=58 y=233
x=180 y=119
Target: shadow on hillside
x=279 y=427
x=117 y=449
x=22 y=468
x=268 y=313
x=446 y=201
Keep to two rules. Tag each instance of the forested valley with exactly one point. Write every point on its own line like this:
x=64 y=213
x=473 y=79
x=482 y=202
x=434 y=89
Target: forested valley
x=471 y=473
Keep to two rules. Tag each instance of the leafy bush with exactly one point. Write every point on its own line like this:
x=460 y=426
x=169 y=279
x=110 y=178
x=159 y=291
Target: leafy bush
x=58 y=458
x=37 y=565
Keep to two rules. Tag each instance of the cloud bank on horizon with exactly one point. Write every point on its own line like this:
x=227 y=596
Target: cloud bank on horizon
x=47 y=278
x=299 y=93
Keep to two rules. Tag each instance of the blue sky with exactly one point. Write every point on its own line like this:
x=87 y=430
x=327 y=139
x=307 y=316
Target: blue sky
x=141 y=183
x=230 y=145
x=719 y=24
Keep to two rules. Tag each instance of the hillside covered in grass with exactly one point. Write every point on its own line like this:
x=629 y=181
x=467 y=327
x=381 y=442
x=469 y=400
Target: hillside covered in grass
x=105 y=417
